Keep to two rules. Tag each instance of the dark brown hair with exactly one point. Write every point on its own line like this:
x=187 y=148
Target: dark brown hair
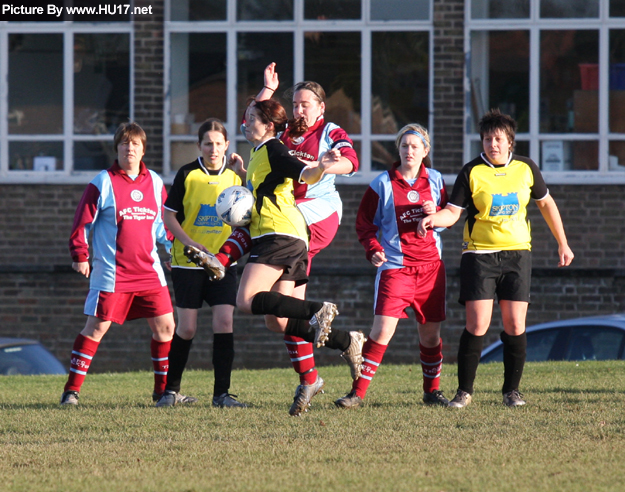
x=126 y=132
x=298 y=126
x=495 y=120
x=271 y=111
x=212 y=125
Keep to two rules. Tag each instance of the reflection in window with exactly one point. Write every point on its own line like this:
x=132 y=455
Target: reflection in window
x=500 y=74
x=569 y=81
x=562 y=9
x=95 y=155
x=333 y=60
x=594 y=343
x=383 y=155
x=255 y=51
x=260 y=10
x=183 y=153
x=617 y=81
x=198 y=80
x=399 y=85
x=617 y=8
x=616 y=159
x=36 y=156
x=496 y=9
x=384 y=10
x=566 y=155
x=198 y=10
x=35 y=102
x=101 y=82
x=539 y=345
x=331 y=9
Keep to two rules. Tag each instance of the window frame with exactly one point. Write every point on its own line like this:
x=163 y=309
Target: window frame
x=68 y=29
x=298 y=26
x=534 y=24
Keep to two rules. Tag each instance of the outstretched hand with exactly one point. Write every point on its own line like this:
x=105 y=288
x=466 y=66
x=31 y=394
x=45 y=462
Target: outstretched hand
x=235 y=161
x=271 y=77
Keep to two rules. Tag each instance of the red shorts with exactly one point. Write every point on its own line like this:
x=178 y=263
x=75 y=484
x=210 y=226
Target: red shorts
x=321 y=235
x=122 y=306
x=422 y=288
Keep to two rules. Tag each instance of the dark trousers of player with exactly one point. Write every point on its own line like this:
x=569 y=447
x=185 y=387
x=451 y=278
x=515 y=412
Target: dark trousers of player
x=223 y=356
x=470 y=350
x=298 y=312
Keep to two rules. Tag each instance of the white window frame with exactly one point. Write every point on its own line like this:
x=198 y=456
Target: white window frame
x=298 y=27
x=534 y=24
x=68 y=29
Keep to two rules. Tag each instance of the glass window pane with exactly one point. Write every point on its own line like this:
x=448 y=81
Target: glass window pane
x=569 y=79
x=539 y=345
x=617 y=80
x=331 y=9
x=182 y=153
x=198 y=10
x=616 y=159
x=500 y=74
x=384 y=10
x=198 y=80
x=383 y=155
x=35 y=103
x=496 y=9
x=255 y=51
x=96 y=155
x=617 y=8
x=569 y=9
x=260 y=10
x=594 y=343
x=36 y=156
x=563 y=155
x=400 y=80
x=333 y=60
x=101 y=82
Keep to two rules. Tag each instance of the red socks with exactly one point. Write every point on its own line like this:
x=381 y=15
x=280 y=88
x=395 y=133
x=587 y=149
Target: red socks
x=301 y=355
x=238 y=244
x=431 y=363
x=83 y=351
x=373 y=353
x=160 y=361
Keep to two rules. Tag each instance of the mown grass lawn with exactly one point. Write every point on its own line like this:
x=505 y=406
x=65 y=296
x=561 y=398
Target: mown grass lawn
x=570 y=436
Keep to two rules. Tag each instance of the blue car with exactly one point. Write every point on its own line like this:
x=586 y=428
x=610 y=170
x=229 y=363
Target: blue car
x=592 y=338
x=24 y=356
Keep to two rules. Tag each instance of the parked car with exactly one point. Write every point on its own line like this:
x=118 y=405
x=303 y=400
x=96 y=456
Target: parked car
x=592 y=338
x=24 y=356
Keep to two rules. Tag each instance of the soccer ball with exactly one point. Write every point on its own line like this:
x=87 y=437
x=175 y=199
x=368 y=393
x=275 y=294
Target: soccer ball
x=234 y=206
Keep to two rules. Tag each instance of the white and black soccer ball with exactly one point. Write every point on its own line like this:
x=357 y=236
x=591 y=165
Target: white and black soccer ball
x=234 y=206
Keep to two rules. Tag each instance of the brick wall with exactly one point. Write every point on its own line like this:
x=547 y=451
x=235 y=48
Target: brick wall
x=42 y=298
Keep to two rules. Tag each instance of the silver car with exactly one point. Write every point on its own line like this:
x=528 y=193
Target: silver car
x=24 y=356
x=592 y=338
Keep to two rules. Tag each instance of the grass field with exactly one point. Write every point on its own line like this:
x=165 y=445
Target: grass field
x=570 y=436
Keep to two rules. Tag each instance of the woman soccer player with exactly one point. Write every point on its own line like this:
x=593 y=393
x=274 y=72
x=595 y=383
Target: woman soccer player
x=410 y=270
x=495 y=189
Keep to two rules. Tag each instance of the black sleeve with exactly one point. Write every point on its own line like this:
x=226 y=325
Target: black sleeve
x=539 y=189
x=176 y=192
x=282 y=161
x=461 y=192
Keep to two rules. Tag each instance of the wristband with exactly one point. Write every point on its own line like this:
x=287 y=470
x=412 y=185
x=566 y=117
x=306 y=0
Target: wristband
x=267 y=87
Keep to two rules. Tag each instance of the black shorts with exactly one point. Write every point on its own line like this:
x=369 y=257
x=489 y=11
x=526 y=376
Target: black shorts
x=504 y=274
x=286 y=251
x=192 y=286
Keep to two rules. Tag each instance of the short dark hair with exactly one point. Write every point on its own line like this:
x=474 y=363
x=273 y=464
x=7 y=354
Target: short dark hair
x=128 y=131
x=212 y=125
x=495 y=120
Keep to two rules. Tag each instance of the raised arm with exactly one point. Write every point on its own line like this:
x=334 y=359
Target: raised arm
x=551 y=214
x=271 y=83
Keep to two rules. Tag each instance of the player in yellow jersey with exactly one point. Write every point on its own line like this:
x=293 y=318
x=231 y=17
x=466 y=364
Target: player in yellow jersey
x=495 y=189
x=190 y=215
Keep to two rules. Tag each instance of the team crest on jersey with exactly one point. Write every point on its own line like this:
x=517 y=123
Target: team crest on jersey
x=413 y=196
x=506 y=205
x=207 y=217
x=136 y=195
x=297 y=140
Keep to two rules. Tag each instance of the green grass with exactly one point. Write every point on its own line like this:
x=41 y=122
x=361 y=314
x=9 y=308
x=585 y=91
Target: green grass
x=570 y=436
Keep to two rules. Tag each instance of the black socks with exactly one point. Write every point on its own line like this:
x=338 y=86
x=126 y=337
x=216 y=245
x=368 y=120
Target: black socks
x=284 y=306
x=178 y=356
x=514 y=351
x=223 y=356
x=469 y=353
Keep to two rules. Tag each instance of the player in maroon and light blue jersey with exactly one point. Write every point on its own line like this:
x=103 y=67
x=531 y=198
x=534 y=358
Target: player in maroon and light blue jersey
x=121 y=210
x=410 y=270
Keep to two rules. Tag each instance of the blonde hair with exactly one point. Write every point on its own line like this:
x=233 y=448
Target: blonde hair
x=421 y=132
